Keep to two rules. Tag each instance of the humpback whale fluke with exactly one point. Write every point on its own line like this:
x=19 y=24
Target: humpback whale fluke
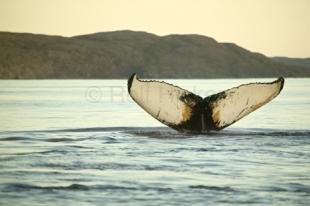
x=184 y=111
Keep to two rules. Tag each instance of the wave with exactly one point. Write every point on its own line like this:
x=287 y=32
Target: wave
x=18 y=187
x=88 y=129
x=48 y=139
x=161 y=132
x=15 y=138
x=152 y=132
x=25 y=187
x=215 y=188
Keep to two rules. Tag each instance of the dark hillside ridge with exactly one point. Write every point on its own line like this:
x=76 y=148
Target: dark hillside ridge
x=118 y=54
x=303 y=62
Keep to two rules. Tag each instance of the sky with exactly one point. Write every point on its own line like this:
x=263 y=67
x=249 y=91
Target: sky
x=271 y=27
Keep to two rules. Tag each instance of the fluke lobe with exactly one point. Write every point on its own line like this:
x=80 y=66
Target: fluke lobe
x=187 y=112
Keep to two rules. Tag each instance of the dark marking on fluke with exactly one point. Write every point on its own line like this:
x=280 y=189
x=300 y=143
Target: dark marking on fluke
x=129 y=83
x=193 y=124
x=201 y=109
x=281 y=79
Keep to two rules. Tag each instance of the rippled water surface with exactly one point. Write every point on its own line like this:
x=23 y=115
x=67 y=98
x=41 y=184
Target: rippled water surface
x=84 y=142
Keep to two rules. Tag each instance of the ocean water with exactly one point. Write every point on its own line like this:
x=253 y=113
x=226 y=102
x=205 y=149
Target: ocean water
x=85 y=142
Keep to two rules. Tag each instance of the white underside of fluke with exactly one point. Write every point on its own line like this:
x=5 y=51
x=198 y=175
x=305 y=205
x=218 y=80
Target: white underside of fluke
x=159 y=99
x=242 y=100
x=166 y=103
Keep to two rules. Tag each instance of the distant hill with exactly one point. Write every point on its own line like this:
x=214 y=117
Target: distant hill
x=304 y=62
x=120 y=53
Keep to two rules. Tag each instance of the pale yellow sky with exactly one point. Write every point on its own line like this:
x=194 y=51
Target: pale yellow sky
x=272 y=27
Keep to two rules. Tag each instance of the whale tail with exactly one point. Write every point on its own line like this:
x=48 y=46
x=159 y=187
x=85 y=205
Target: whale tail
x=185 y=111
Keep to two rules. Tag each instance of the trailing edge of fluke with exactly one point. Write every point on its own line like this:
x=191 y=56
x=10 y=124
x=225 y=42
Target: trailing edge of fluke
x=187 y=112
